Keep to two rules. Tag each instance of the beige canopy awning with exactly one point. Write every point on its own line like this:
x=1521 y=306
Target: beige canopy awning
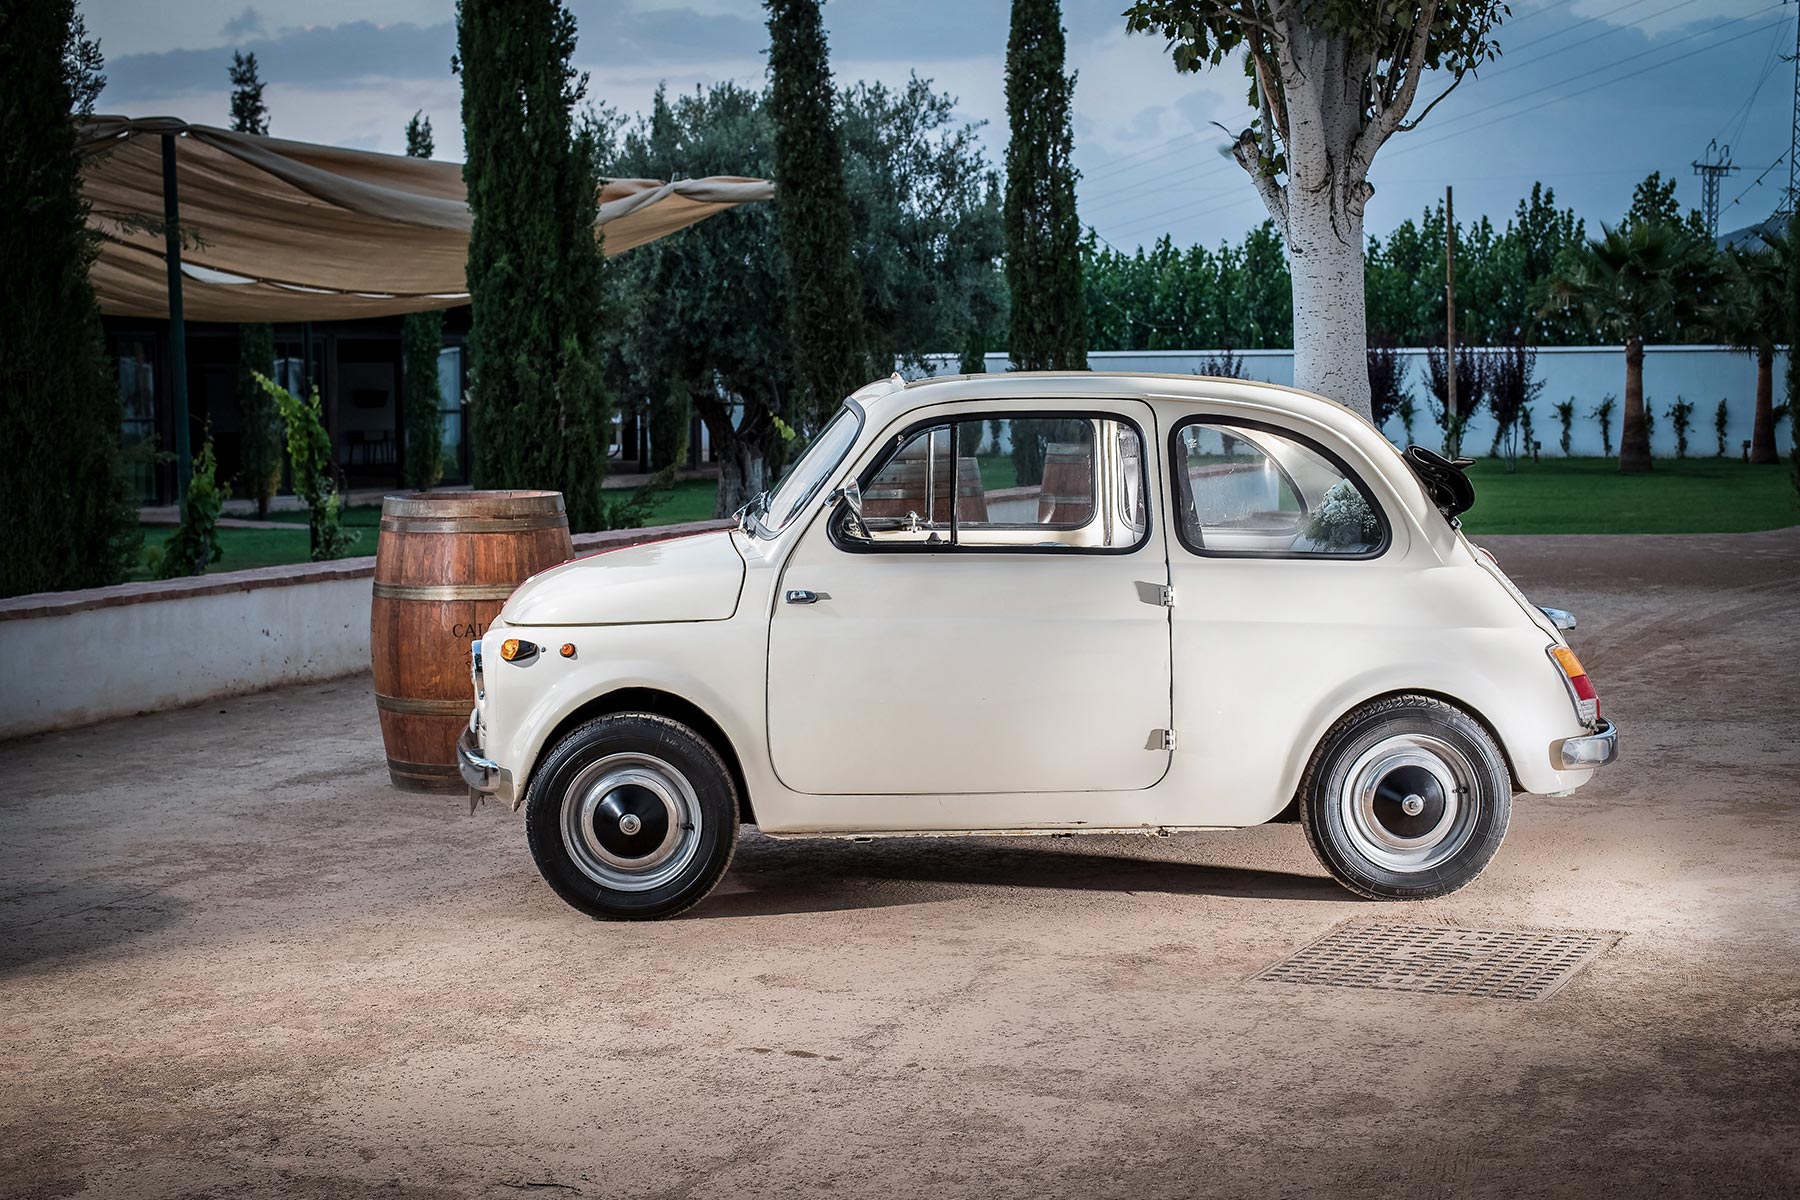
x=290 y=231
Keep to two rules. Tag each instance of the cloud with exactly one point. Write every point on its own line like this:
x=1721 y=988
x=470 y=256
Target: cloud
x=246 y=24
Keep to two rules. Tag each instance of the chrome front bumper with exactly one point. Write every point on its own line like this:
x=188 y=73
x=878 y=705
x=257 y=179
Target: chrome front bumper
x=484 y=776
x=1584 y=753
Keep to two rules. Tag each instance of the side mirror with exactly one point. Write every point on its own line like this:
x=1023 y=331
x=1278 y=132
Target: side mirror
x=850 y=494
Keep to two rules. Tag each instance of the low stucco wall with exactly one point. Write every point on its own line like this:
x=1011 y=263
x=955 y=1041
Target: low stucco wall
x=78 y=657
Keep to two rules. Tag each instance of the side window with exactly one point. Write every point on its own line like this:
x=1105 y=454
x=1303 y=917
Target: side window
x=1249 y=490
x=1053 y=483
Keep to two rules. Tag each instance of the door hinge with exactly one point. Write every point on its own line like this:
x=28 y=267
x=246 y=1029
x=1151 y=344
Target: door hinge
x=1168 y=597
x=1168 y=738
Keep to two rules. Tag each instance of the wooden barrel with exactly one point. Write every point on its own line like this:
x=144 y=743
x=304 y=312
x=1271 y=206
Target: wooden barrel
x=903 y=484
x=444 y=566
x=1067 y=497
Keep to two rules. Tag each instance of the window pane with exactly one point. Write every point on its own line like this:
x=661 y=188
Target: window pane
x=909 y=498
x=1031 y=473
x=1253 y=491
x=807 y=475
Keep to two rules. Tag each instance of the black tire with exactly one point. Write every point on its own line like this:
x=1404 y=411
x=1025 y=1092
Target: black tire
x=1358 y=794
x=598 y=778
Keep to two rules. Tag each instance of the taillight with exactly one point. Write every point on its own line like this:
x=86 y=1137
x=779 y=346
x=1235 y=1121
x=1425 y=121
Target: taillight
x=1587 y=700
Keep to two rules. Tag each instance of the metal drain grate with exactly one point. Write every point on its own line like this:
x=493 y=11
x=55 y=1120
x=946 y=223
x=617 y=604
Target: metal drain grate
x=1500 y=964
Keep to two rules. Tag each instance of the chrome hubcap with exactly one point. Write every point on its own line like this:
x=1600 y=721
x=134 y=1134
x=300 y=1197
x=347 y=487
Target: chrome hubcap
x=630 y=822
x=1408 y=802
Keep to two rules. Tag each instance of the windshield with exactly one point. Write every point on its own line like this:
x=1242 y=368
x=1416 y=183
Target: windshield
x=810 y=470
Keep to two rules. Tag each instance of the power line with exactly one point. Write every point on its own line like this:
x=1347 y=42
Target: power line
x=1681 y=51
x=1779 y=159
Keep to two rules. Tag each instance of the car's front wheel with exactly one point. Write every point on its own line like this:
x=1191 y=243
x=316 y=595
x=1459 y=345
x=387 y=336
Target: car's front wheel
x=632 y=816
x=1406 y=798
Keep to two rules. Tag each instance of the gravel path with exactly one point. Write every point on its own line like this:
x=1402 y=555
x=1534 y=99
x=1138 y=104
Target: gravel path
x=234 y=963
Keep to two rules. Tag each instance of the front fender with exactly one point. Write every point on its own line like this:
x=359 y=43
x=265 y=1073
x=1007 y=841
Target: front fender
x=701 y=664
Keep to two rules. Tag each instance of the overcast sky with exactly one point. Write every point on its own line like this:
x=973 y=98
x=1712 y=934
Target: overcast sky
x=1589 y=95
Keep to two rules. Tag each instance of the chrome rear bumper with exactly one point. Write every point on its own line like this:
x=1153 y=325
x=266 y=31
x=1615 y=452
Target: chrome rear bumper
x=1595 y=750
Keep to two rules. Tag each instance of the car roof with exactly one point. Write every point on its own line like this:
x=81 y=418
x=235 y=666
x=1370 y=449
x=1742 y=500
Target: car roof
x=896 y=395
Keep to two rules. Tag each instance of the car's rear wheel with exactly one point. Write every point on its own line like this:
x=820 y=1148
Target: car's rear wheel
x=1406 y=798
x=632 y=816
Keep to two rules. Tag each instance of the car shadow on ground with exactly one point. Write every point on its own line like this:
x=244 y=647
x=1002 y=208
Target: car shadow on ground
x=771 y=877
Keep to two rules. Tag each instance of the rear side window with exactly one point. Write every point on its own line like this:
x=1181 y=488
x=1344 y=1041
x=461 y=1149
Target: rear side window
x=1068 y=482
x=1252 y=490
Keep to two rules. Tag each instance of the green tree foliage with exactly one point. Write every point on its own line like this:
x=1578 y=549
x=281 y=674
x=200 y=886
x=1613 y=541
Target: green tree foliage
x=925 y=206
x=701 y=303
x=1754 y=319
x=421 y=339
x=812 y=214
x=1632 y=285
x=309 y=455
x=248 y=112
x=535 y=272
x=1501 y=277
x=1043 y=235
x=70 y=520
x=194 y=546
x=260 y=455
x=1164 y=298
x=1721 y=422
x=1792 y=325
x=925 y=214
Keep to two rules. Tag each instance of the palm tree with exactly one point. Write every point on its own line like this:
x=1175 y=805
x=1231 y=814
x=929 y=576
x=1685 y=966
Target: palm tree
x=1754 y=319
x=1642 y=280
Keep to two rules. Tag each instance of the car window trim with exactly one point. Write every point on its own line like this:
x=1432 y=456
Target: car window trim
x=763 y=532
x=895 y=441
x=1179 y=494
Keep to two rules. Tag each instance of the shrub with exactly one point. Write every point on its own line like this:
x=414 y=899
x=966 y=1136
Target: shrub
x=421 y=338
x=194 y=546
x=1682 y=414
x=309 y=454
x=1407 y=411
x=1603 y=413
x=1387 y=383
x=1720 y=419
x=1565 y=416
x=259 y=462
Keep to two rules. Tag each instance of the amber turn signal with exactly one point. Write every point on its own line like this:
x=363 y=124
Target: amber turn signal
x=515 y=650
x=568 y=650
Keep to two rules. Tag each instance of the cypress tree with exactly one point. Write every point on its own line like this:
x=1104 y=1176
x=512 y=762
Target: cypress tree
x=812 y=213
x=541 y=413
x=70 y=522
x=1043 y=237
x=248 y=112
x=421 y=338
x=260 y=455
x=1793 y=340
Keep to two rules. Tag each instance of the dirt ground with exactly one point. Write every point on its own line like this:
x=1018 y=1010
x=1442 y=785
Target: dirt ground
x=234 y=963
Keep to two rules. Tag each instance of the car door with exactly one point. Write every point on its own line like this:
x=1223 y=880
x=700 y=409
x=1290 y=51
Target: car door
x=992 y=622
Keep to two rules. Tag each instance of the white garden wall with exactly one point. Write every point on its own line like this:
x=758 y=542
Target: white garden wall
x=77 y=657
x=1701 y=374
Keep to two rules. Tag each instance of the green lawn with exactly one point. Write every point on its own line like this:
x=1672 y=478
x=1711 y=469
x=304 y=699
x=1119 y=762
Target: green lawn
x=1588 y=495
x=688 y=500
x=1560 y=495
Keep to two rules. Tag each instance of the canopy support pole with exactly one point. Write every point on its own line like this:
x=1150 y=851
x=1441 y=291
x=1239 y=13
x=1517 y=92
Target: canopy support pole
x=184 y=459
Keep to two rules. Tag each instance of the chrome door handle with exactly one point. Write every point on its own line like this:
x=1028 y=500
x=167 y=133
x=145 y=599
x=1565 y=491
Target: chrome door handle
x=802 y=596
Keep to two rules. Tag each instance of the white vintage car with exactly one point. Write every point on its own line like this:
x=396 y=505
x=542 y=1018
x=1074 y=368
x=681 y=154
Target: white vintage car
x=1040 y=604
